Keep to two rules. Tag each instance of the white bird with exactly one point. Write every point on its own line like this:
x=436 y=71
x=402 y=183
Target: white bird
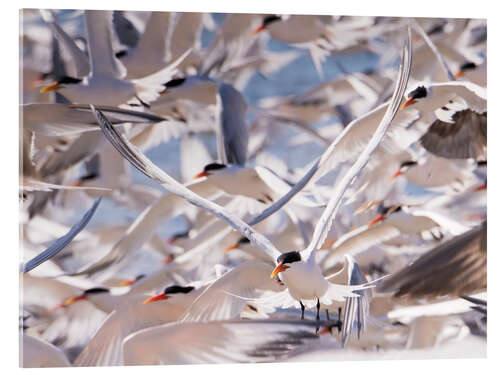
x=105 y=83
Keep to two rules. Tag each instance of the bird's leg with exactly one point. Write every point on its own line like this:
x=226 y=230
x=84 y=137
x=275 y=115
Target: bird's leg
x=302 y=308
x=327 y=315
x=317 y=316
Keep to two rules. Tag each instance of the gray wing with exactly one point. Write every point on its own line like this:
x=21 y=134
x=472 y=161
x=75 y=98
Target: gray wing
x=217 y=342
x=61 y=242
x=356 y=310
x=326 y=219
x=465 y=138
x=232 y=134
x=62 y=119
x=125 y=30
x=78 y=57
x=456 y=267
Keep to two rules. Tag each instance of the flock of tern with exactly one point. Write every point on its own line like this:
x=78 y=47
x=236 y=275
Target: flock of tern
x=169 y=218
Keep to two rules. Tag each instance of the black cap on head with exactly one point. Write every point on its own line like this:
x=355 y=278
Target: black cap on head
x=243 y=240
x=381 y=209
x=290 y=257
x=68 y=80
x=270 y=19
x=408 y=163
x=419 y=92
x=213 y=167
x=175 y=289
x=174 y=82
x=121 y=53
x=96 y=291
x=469 y=65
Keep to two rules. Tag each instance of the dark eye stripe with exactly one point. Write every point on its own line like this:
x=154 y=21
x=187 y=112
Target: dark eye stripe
x=175 y=289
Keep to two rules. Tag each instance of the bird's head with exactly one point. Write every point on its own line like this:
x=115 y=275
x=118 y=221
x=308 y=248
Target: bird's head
x=86 y=295
x=285 y=261
x=403 y=168
x=210 y=169
x=88 y=177
x=172 y=239
x=383 y=212
x=268 y=20
x=237 y=244
x=169 y=292
x=60 y=84
x=132 y=281
x=418 y=95
x=464 y=68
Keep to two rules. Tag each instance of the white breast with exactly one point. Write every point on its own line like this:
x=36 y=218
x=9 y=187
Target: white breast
x=305 y=281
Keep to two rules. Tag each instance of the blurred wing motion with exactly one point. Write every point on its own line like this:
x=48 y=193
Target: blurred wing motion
x=64 y=119
x=457 y=267
x=216 y=342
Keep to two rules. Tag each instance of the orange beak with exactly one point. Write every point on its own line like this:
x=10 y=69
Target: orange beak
x=168 y=259
x=376 y=220
x=410 y=101
x=396 y=174
x=481 y=187
x=459 y=74
x=72 y=300
x=202 y=174
x=158 y=297
x=258 y=30
x=230 y=247
x=279 y=268
x=128 y=282
x=52 y=87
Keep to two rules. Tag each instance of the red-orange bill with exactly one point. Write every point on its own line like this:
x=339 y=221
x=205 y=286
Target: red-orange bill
x=158 y=297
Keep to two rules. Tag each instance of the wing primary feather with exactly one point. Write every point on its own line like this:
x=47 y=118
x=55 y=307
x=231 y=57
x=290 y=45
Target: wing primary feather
x=61 y=242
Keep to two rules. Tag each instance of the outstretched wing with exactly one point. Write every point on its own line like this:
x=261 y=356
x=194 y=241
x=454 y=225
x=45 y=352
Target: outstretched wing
x=61 y=242
x=143 y=164
x=330 y=211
